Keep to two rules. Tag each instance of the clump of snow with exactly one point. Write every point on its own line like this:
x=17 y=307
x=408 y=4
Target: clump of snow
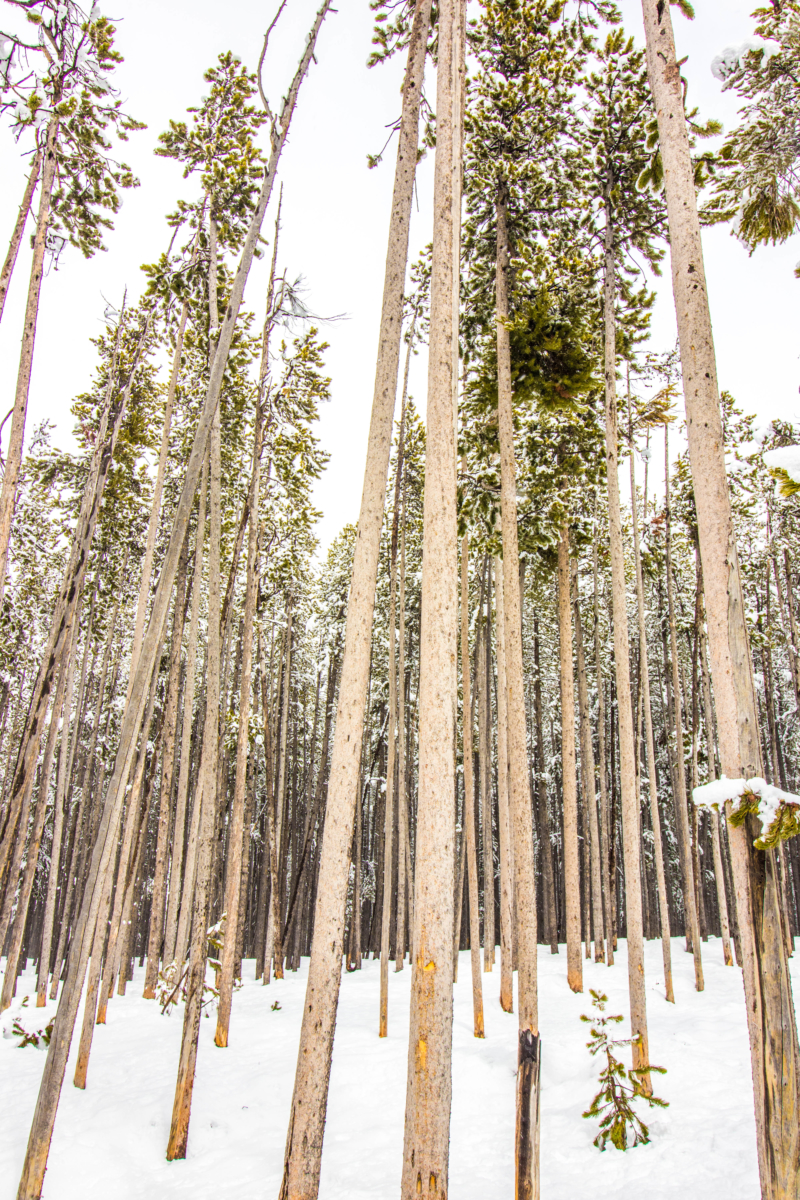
x=770 y=799
x=734 y=56
x=785 y=458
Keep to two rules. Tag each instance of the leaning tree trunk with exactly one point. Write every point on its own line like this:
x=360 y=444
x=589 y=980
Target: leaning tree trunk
x=631 y=833
x=772 y=1027
x=19 y=228
x=526 y=1161
x=309 y=1101
x=8 y=493
x=569 y=785
x=50 y=1089
x=195 y=983
x=429 y=1078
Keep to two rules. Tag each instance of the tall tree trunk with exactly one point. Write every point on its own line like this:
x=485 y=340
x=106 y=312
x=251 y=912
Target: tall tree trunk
x=569 y=786
x=631 y=832
x=606 y=840
x=19 y=228
x=503 y=815
x=402 y=799
x=8 y=493
x=652 y=778
x=48 y=923
x=772 y=1027
x=468 y=822
x=182 y=1105
x=528 y=1060
x=58 y=1050
x=169 y=736
x=177 y=864
x=309 y=1101
x=588 y=772
x=429 y=1079
x=681 y=803
x=549 y=908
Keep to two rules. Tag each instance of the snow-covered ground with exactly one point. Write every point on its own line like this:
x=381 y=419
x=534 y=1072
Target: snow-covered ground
x=110 y=1140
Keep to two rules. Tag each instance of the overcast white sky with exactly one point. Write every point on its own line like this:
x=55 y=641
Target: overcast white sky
x=336 y=216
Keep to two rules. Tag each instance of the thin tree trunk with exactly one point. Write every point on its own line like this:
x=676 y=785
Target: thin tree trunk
x=652 y=778
x=681 y=802
x=631 y=832
x=8 y=493
x=182 y=1105
x=168 y=761
x=468 y=822
x=607 y=877
x=19 y=228
x=588 y=772
x=402 y=800
x=429 y=1079
x=503 y=815
x=569 y=788
x=526 y=1159
x=549 y=908
x=48 y=925
x=772 y=1027
x=309 y=1101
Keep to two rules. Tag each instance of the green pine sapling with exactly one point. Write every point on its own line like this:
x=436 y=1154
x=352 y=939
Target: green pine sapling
x=619 y=1087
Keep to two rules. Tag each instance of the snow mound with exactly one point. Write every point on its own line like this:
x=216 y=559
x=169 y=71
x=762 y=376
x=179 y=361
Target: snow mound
x=785 y=458
x=771 y=804
x=735 y=56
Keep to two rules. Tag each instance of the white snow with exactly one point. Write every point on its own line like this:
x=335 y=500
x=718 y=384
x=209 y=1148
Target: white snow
x=110 y=1140
x=785 y=458
x=735 y=56
x=770 y=798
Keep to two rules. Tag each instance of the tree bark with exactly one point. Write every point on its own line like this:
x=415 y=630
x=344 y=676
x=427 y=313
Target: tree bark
x=569 y=789
x=307 y=1120
x=631 y=832
x=770 y=1013
x=529 y=1049
x=652 y=778
x=8 y=493
x=503 y=815
x=468 y=822
x=19 y=228
x=429 y=1080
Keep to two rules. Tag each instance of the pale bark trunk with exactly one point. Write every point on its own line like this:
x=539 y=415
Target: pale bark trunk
x=58 y=1050
x=529 y=1051
x=607 y=878
x=8 y=493
x=681 y=800
x=309 y=1102
x=468 y=822
x=34 y=843
x=19 y=228
x=770 y=1012
x=177 y=865
x=182 y=1104
x=483 y=658
x=652 y=778
x=569 y=788
x=236 y=847
x=274 y=949
x=429 y=1078
x=503 y=815
x=631 y=832
x=402 y=800
x=48 y=922
x=588 y=772
x=716 y=842
x=549 y=907
x=168 y=762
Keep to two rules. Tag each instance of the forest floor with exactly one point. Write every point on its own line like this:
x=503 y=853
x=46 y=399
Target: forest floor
x=110 y=1140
